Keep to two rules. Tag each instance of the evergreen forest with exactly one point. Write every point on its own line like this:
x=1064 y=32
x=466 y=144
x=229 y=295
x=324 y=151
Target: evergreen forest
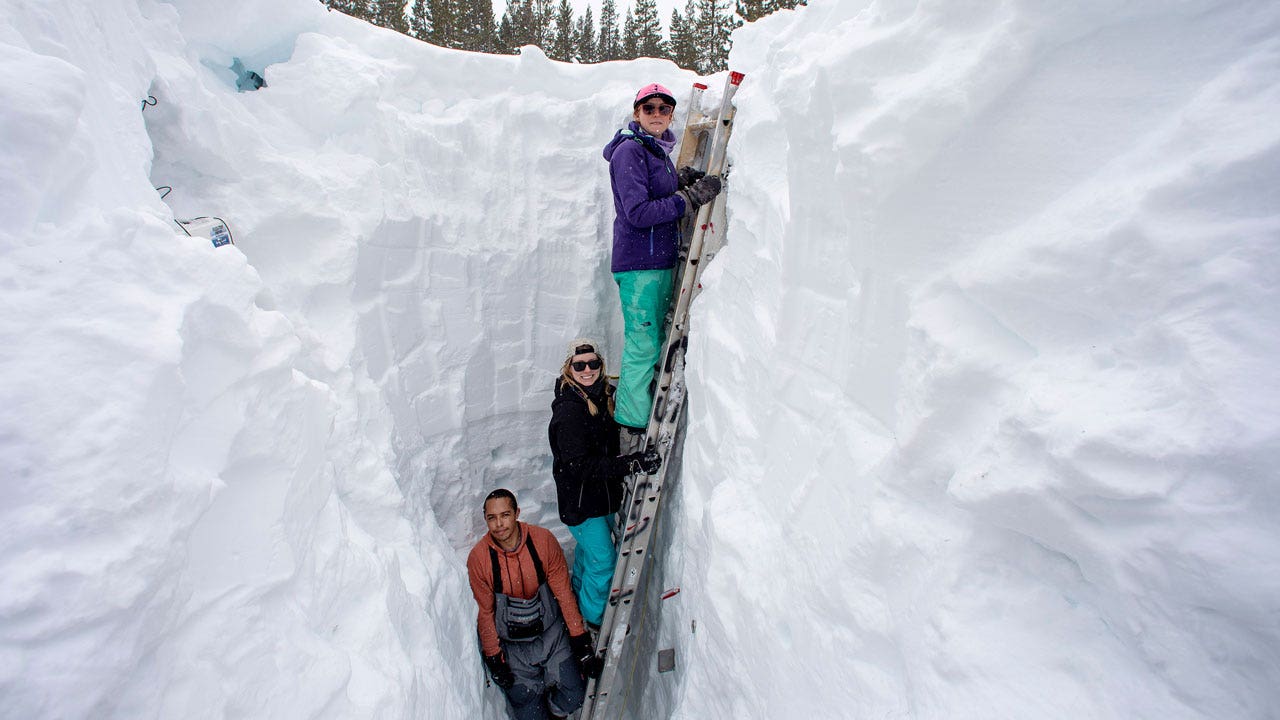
x=696 y=39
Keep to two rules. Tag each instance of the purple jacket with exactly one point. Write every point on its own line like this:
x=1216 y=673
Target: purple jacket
x=646 y=231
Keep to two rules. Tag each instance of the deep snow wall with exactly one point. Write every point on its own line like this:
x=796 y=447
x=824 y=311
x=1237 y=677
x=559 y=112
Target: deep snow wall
x=240 y=482
x=441 y=219
x=200 y=517
x=1001 y=278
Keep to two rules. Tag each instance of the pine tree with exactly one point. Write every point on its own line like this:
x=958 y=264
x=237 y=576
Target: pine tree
x=713 y=25
x=648 y=30
x=585 y=39
x=354 y=8
x=562 y=40
x=419 y=20
x=389 y=14
x=684 y=48
x=528 y=23
x=475 y=27
x=506 y=40
x=544 y=16
x=519 y=26
x=752 y=10
x=444 y=23
x=507 y=28
x=629 y=51
x=610 y=46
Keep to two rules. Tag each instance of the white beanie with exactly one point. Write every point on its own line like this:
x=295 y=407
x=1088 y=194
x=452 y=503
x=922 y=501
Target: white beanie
x=577 y=343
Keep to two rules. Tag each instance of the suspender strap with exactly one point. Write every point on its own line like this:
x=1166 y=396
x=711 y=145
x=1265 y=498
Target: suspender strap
x=497 y=572
x=537 y=562
x=533 y=554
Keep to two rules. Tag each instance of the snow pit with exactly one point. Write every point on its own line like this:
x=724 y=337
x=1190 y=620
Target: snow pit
x=981 y=417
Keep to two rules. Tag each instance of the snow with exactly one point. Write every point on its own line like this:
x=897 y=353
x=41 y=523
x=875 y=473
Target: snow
x=981 y=394
x=1001 y=279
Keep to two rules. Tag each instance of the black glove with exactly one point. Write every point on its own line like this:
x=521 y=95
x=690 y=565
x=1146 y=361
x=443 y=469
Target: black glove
x=646 y=462
x=700 y=193
x=500 y=670
x=585 y=653
x=689 y=176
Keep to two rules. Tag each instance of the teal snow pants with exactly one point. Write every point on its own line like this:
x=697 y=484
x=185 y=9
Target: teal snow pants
x=645 y=295
x=593 y=566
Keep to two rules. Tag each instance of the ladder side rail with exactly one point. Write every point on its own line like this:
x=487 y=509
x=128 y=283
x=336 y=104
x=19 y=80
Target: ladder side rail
x=633 y=504
x=644 y=491
x=694 y=123
x=696 y=127
x=626 y=601
x=676 y=337
x=645 y=617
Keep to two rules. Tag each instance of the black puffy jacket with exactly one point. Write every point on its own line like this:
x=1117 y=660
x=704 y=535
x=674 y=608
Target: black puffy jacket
x=584 y=447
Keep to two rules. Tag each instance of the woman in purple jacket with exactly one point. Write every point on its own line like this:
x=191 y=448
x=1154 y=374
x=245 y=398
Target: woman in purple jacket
x=649 y=198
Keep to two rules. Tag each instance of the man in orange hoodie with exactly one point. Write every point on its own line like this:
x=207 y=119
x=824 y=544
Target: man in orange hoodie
x=531 y=633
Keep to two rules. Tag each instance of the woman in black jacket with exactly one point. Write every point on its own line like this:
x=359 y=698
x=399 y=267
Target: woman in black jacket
x=589 y=472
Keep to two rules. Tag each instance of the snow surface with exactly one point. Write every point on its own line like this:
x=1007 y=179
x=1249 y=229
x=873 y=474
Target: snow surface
x=982 y=389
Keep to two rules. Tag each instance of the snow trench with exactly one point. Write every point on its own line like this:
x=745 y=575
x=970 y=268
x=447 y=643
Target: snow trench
x=981 y=412
x=435 y=239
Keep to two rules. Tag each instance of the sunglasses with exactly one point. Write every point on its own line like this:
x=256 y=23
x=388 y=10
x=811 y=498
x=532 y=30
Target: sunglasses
x=581 y=365
x=663 y=109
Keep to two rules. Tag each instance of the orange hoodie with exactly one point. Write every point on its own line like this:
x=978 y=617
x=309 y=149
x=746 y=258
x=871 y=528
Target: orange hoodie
x=520 y=580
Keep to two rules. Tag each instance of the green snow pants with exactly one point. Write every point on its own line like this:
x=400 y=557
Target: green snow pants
x=645 y=295
x=593 y=563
